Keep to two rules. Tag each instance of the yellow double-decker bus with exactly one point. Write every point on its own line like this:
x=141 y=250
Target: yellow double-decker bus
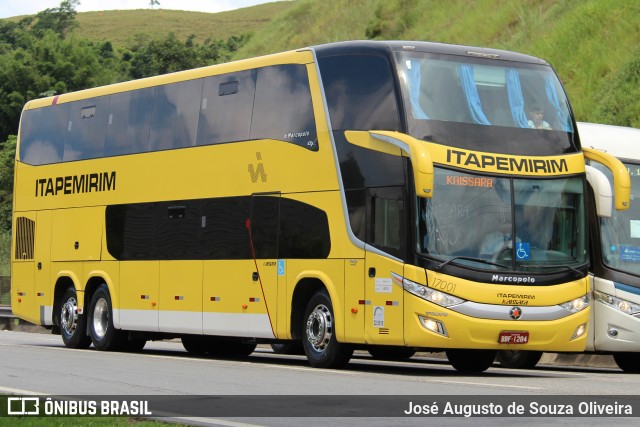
x=389 y=196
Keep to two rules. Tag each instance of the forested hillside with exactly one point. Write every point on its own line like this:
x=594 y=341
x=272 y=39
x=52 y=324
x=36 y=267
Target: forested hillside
x=594 y=45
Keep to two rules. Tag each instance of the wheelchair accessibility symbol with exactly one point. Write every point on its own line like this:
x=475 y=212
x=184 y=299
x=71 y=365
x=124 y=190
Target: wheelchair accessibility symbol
x=280 y=267
x=523 y=250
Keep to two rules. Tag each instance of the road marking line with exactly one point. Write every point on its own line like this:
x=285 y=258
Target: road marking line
x=207 y=421
x=488 y=384
x=21 y=391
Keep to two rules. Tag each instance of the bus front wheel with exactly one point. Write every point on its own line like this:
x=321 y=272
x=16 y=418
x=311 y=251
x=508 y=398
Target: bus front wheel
x=319 y=340
x=292 y=348
x=100 y=322
x=73 y=326
x=471 y=360
x=628 y=362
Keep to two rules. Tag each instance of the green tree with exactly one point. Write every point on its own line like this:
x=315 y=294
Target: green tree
x=7 y=156
x=151 y=57
x=61 y=19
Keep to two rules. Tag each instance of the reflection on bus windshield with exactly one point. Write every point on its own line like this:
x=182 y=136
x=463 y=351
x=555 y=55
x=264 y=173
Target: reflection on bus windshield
x=449 y=90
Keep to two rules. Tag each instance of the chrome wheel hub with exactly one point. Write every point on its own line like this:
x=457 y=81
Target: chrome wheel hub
x=100 y=318
x=69 y=316
x=319 y=328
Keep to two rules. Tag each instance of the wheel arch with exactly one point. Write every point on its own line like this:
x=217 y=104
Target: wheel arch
x=306 y=286
x=93 y=283
x=63 y=282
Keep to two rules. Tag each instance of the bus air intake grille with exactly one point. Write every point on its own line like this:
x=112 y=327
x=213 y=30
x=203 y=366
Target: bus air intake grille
x=25 y=231
x=383 y=331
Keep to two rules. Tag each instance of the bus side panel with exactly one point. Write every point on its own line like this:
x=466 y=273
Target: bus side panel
x=354 y=308
x=23 y=267
x=233 y=304
x=181 y=297
x=22 y=291
x=44 y=286
x=138 y=296
x=385 y=301
x=77 y=234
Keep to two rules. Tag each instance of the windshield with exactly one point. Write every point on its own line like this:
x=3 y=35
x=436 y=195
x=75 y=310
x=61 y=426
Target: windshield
x=621 y=232
x=464 y=101
x=527 y=225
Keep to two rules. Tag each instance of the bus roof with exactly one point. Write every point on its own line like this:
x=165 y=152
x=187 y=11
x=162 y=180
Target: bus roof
x=370 y=46
x=619 y=141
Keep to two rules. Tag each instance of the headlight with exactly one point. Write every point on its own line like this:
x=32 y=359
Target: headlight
x=577 y=304
x=617 y=303
x=436 y=297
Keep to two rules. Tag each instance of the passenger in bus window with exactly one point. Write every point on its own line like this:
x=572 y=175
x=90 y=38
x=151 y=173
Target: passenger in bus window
x=536 y=120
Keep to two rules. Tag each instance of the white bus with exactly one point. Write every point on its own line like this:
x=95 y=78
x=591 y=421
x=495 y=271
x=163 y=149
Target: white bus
x=614 y=327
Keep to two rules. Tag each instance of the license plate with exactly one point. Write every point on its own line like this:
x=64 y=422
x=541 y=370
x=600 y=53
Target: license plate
x=512 y=337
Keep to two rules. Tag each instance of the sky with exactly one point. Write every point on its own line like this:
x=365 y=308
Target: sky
x=9 y=8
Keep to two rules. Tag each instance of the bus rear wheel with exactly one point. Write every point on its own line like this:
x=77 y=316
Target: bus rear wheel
x=135 y=345
x=73 y=326
x=104 y=335
x=471 y=360
x=195 y=344
x=628 y=362
x=319 y=339
x=230 y=348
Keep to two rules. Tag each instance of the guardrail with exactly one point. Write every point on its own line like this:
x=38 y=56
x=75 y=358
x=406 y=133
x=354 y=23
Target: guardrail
x=5 y=290
x=6 y=317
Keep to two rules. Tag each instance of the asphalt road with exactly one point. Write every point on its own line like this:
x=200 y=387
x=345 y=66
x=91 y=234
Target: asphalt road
x=40 y=364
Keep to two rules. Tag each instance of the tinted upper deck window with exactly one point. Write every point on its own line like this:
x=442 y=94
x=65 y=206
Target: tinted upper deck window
x=43 y=134
x=226 y=108
x=86 y=129
x=360 y=92
x=174 y=121
x=283 y=108
x=129 y=122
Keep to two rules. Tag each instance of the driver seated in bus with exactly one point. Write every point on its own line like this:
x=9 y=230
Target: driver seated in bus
x=497 y=240
x=536 y=121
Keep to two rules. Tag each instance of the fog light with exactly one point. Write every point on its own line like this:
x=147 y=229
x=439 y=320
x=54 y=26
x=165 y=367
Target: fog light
x=433 y=325
x=580 y=331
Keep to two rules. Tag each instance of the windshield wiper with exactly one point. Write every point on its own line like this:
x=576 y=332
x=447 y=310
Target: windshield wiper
x=575 y=271
x=468 y=258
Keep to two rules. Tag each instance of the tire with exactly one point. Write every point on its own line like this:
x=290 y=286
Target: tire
x=518 y=359
x=195 y=344
x=231 y=348
x=293 y=348
x=628 y=362
x=384 y=352
x=319 y=339
x=471 y=360
x=135 y=345
x=73 y=326
x=104 y=335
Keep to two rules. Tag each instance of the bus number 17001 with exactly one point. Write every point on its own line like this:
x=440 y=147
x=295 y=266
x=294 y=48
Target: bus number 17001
x=443 y=285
